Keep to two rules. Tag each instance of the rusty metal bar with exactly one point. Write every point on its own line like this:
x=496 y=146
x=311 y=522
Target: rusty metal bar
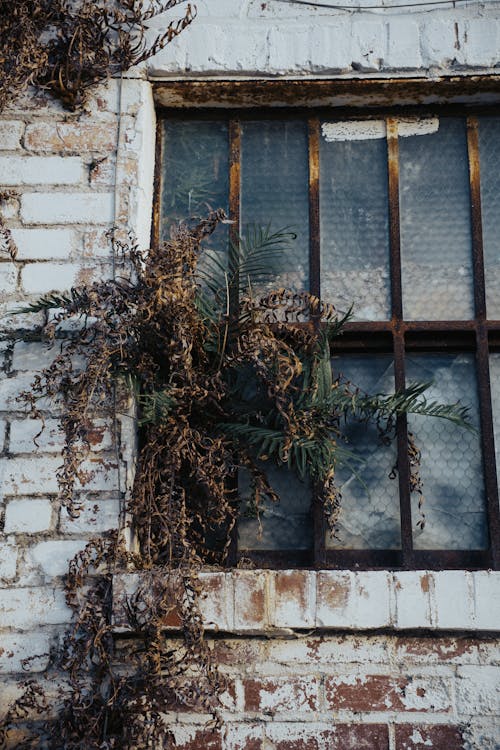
x=234 y=235
x=157 y=207
x=314 y=222
x=398 y=337
x=482 y=353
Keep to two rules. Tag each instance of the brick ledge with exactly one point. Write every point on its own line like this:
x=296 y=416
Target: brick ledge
x=277 y=602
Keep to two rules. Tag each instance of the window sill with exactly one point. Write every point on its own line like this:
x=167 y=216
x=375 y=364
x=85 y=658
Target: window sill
x=278 y=602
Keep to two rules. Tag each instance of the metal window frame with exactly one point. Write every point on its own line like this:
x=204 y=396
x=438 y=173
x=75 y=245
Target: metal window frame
x=397 y=335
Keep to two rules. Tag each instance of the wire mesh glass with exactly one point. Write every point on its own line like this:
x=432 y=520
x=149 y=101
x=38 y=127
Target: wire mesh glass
x=285 y=525
x=354 y=219
x=489 y=156
x=450 y=464
x=436 y=250
x=195 y=179
x=274 y=193
x=369 y=517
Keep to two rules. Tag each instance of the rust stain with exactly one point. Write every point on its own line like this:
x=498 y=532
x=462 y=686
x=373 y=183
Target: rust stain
x=425 y=583
x=343 y=92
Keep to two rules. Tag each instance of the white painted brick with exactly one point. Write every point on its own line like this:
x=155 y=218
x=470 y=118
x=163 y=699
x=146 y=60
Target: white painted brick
x=26 y=476
x=331 y=50
x=11 y=387
x=32 y=355
x=403 y=49
x=51 y=440
x=354 y=600
x=486 y=586
x=482 y=48
x=96 y=516
x=25 y=652
x=289 y=49
x=368 y=40
x=67 y=208
x=478 y=690
x=11 y=322
x=28 y=516
x=39 y=278
x=53 y=556
x=8 y=278
x=11 y=132
x=454 y=600
x=8 y=560
x=438 y=42
x=294 y=596
x=101 y=475
x=40 y=170
x=414 y=606
x=43 y=244
x=33 y=606
x=216 y=602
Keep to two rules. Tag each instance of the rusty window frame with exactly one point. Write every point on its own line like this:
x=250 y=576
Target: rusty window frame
x=478 y=335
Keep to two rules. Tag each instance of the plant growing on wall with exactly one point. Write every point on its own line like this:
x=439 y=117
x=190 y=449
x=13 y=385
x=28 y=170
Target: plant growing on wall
x=222 y=381
x=65 y=46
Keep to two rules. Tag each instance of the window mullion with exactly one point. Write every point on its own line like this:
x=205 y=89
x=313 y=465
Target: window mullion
x=482 y=353
x=398 y=338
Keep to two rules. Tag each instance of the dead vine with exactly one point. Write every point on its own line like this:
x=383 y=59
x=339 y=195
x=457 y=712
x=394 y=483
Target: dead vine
x=65 y=46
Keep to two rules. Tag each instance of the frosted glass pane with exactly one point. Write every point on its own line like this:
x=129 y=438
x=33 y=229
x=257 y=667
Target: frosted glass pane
x=369 y=517
x=489 y=154
x=355 y=226
x=195 y=177
x=436 y=253
x=451 y=466
x=284 y=525
x=495 y=400
x=274 y=191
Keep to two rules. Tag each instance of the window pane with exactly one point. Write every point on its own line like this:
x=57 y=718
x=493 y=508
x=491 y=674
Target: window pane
x=370 y=498
x=354 y=218
x=275 y=191
x=489 y=154
x=284 y=525
x=436 y=254
x=195 y=177
x=495 y=401
x=451 y=466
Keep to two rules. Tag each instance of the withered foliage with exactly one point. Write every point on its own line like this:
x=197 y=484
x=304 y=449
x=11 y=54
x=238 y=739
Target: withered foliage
x=65 y=46
x=223 y=379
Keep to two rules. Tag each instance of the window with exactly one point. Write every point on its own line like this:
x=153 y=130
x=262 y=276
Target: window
x=397 y=215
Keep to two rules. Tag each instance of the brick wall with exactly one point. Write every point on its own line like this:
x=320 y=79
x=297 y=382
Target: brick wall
x=314 y=661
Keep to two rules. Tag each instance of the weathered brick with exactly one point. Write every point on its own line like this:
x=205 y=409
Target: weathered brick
x=74 y=138
x=244 y=737
x=422 y=737
x=8 y=560
x=24 y=652
x=32 y=355
x=486 y=587
x=67 y=208
x=414 y=602
x=387 y=693
x=478 y=690
x=41 y=170
x=11 y=132
x=44 y=244
x=31 y=607
x=50 y=439
x=403 y=49
x=216 y=602
x=294 y=599
x=274 y=694
x=53 y=557
x=8 y=278
x=420 y=650
x=40 y=278
x=26 y=476
x=95 y=516
x=336 y=736
x=196 y=738
x=454 y=600
x=250 y=600
x=28 y=516
x=353 y=600
x=11 y=387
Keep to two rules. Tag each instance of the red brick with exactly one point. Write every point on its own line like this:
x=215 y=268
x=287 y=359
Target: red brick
x=273 y=694
x=339 y=737
x=385 y=693
x=439 y=737
x=249 y=600
x=200 y=739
